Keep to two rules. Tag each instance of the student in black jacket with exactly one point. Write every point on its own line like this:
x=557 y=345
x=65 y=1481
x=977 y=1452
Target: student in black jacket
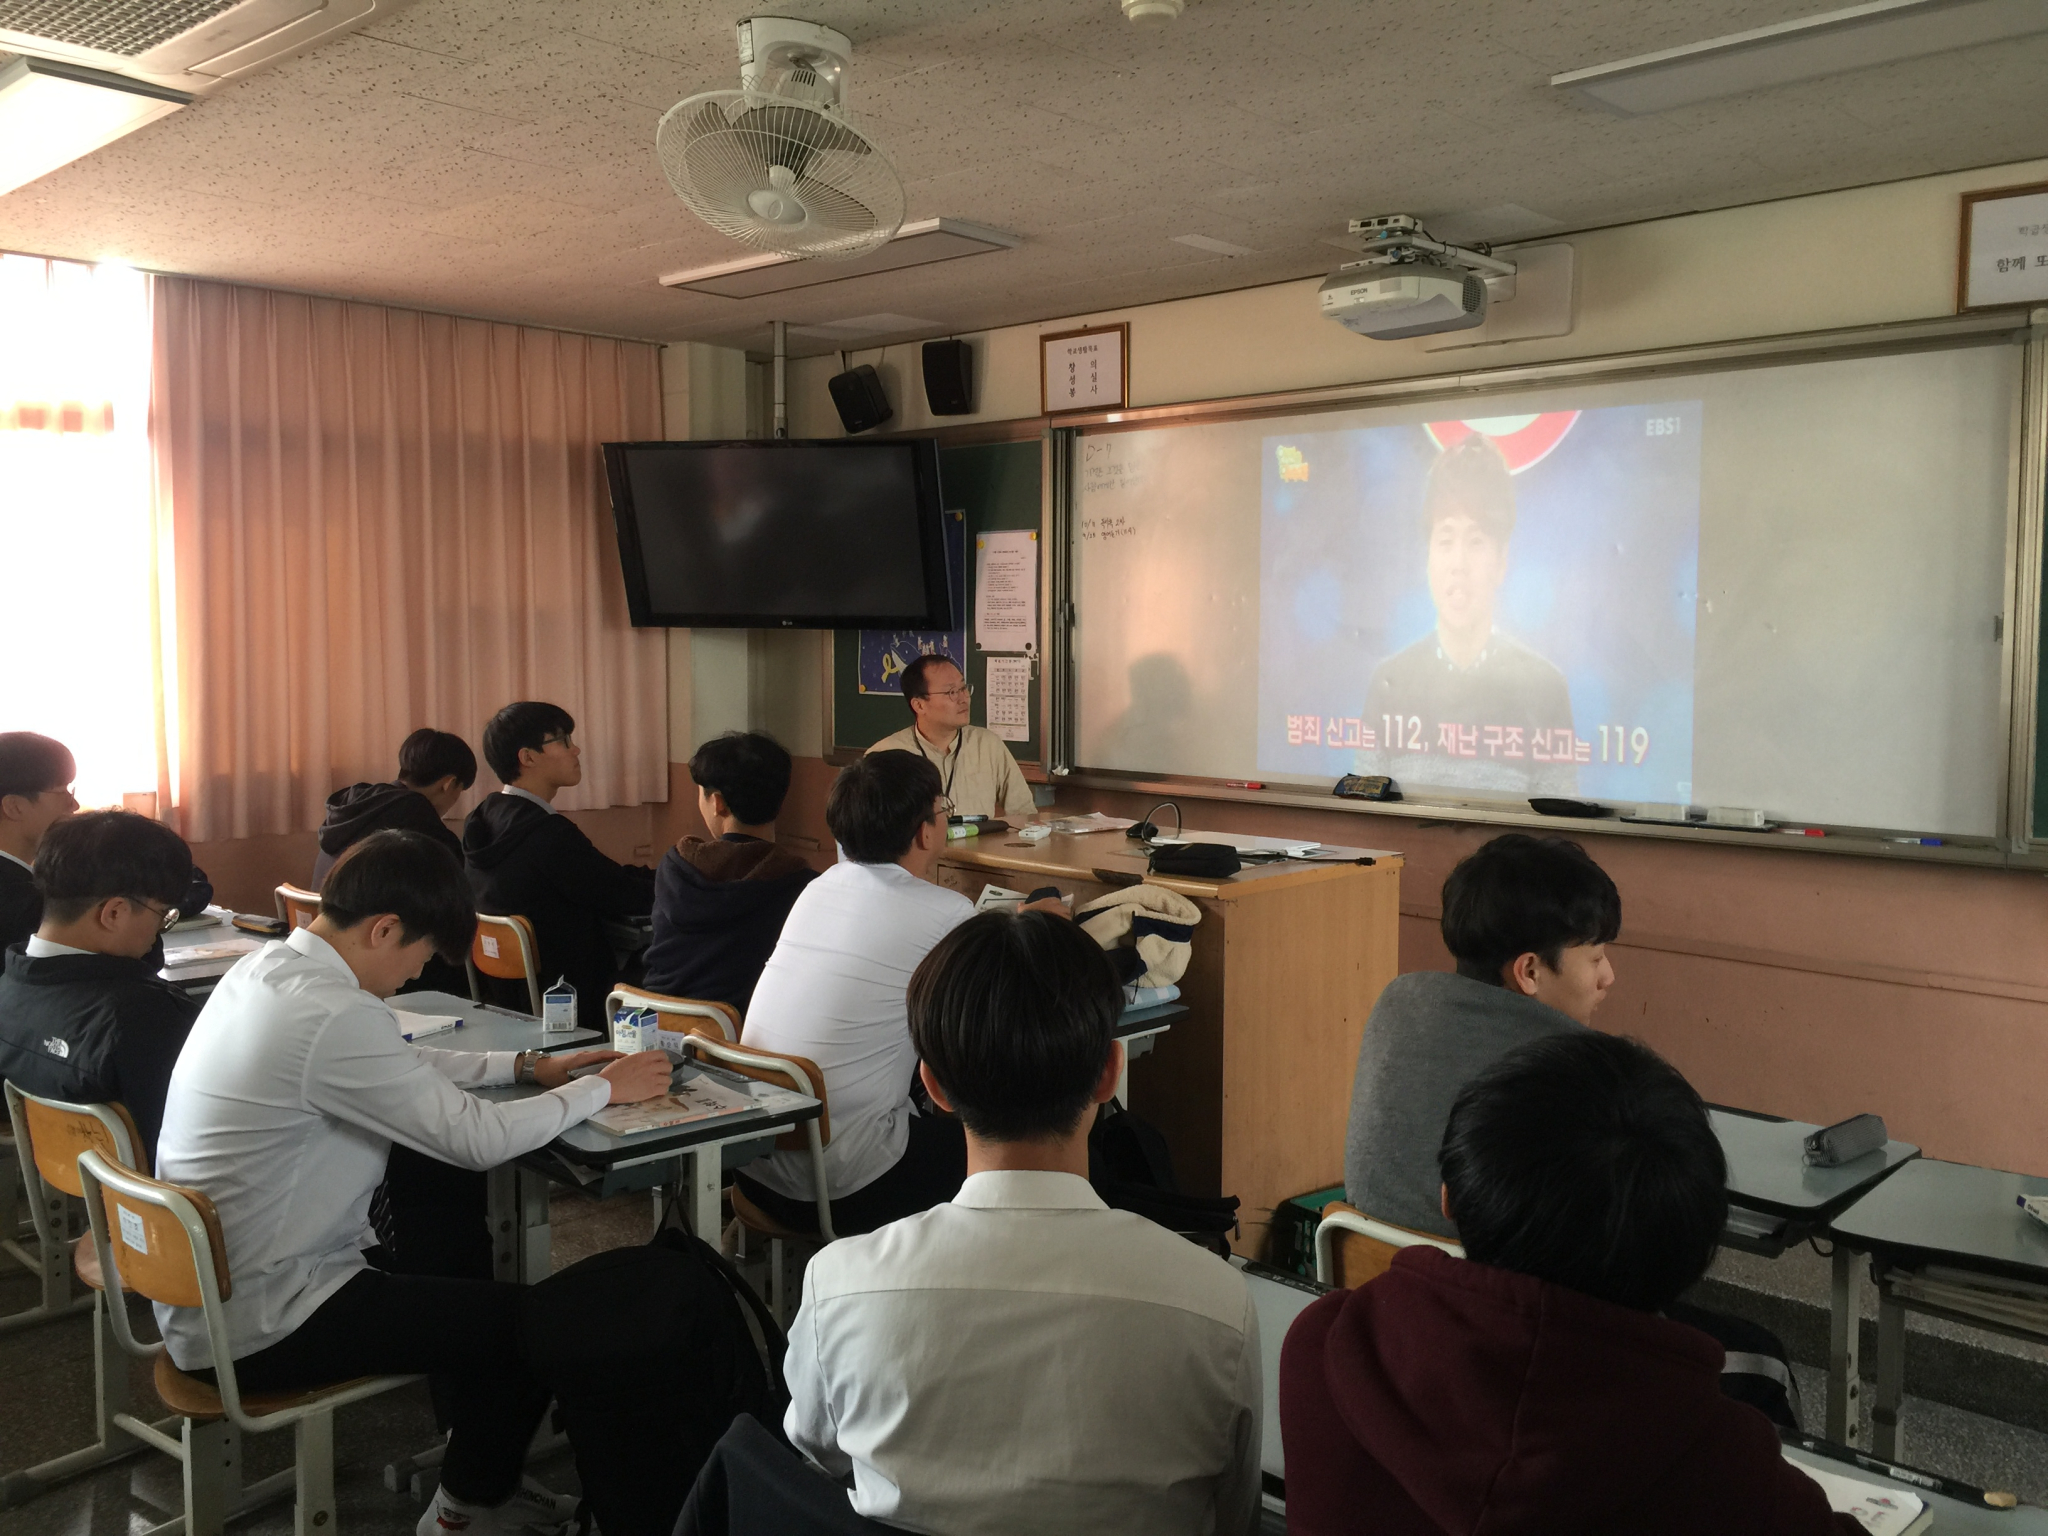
x=525 y=859
x=719 y=906
x=35 y=792
x=435 y=769
x=83 y=1016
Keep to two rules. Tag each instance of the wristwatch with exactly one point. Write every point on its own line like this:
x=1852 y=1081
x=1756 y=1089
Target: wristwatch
x=523 y=1065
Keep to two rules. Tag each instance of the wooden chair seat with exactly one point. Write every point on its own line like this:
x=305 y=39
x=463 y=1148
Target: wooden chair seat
x=754 y=1219
x=85 y=1263
x=193 y=1398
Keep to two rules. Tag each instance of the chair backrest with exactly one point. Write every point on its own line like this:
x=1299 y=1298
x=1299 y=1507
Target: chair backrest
x=1352 y=1247
x=505 y=947
x=53 y=1133
x=799 y=1073
x=158 y=1234
x=722 y=1016
x=297 y=905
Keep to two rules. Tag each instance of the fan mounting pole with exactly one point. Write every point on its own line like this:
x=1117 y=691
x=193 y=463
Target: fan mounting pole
x=781 y=329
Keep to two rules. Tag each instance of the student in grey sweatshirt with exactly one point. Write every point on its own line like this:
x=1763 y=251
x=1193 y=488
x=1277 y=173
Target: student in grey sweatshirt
x=1528 y=920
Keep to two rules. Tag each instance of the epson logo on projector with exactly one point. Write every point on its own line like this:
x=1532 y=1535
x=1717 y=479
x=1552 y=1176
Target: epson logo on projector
x=1417 y=298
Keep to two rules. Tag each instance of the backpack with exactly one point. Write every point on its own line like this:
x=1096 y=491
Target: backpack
x=651 y=1352
x=1132 y=1169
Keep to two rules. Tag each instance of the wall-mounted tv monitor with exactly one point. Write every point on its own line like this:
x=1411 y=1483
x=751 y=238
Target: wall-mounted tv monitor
x=781 y=534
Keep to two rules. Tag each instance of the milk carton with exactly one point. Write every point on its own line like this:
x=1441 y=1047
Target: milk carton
x=558 y=1008
x=634 y=1030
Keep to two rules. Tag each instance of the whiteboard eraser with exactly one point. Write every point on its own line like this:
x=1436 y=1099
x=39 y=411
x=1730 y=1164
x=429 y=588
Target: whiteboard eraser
x=1730 y=816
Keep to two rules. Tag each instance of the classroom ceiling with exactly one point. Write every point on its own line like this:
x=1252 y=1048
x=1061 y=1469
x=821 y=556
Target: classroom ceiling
x=496 y=157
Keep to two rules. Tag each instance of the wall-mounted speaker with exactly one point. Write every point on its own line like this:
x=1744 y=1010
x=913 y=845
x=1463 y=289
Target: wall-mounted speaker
x=858 y=395
x=949 y=378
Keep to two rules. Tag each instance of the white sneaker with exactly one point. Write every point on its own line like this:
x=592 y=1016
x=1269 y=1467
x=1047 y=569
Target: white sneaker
x=447 y=1516
x=532 y=1511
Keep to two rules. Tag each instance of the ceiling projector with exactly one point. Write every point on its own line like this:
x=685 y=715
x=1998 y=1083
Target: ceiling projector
x=1408 y=284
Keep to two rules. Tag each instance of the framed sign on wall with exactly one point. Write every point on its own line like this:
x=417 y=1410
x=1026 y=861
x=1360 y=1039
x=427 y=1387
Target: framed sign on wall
x=2003 y=255
x=1085 y=370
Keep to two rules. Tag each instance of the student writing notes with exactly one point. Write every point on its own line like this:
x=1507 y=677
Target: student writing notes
x=35 y=793
x=1531 y=1386
x=83 y=1015
x=527 y=860
x=294 y=1084
x=1528 y=920
x=1023 y=1359
x=719 y=906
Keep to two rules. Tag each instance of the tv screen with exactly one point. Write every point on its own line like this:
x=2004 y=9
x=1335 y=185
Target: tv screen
x=781 y=534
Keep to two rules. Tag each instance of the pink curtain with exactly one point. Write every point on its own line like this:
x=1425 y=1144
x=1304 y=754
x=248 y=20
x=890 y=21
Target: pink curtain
x=380 y=519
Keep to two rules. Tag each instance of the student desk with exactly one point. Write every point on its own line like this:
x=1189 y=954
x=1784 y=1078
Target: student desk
x=1951 y=1241
x=197 y=979
x=520 y=1226
x=486 y=1027
x=1252 y=1088
x=1776 y=1202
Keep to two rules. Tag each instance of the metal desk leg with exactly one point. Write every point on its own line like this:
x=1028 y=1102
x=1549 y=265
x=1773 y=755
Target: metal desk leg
x=521 y=1238
x=1891 y=1375
x=501 y=1204
x=702 y=1171
x=536 y=1228
x=1845 y=1337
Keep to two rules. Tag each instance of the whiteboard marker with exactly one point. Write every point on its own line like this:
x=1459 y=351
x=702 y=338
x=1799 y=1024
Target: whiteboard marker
x=1802 y=832
x=1916 y=842
x=1242 y=784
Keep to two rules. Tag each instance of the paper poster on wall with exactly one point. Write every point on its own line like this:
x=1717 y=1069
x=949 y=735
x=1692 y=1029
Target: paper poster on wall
x=1009 y=697
x=1006 y=591
x=884 y=653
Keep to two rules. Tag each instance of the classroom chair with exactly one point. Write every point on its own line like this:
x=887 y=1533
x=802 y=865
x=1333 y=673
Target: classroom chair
x=296 y=905
x=171 y=1250
x=24 y=1245
x=1352 y=1247
x=506 y=949
x=721 y=1016
x=802 y=1075
x=52 y=1133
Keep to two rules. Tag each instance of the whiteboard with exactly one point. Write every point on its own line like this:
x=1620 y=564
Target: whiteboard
x=1770 y=587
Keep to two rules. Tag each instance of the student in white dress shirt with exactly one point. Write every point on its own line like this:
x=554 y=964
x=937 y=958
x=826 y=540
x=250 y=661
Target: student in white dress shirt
x=1024 y=1359
x=292 y=1088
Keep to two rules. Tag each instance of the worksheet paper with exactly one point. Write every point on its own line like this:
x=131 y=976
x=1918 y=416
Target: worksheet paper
x=1006 y=590
x=1009 y=697
x=1879 y=1510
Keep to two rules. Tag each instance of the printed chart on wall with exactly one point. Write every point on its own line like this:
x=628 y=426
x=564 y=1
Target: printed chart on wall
x=1770 y=587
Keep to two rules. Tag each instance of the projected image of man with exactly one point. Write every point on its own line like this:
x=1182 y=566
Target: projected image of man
x=1468 y=705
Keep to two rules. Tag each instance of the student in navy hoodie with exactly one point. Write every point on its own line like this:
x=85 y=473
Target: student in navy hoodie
x=435 y=769
x=1532 y=1385
x=719 y=905
x=527 y=859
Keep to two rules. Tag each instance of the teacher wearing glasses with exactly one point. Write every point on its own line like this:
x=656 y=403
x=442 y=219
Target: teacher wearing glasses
x=975 y=767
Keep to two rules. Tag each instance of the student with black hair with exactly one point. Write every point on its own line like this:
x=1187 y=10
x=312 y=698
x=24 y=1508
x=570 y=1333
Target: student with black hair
x=1024 y=1359
x=719 y=906
x=833 y=992
x=294 y=1085
x=1528 y=920
x=435 y=769
x=527 y=859
x=83 y=1014
x=35 y=794
x=976 y=768
x=1531 y=1385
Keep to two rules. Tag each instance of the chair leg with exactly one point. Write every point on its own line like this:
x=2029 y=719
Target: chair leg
x=776 y=1249
x=315 y=1513
x=213 y=1475
x=111 y=1399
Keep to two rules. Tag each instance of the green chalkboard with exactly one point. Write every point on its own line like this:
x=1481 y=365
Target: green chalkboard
x=996 y=486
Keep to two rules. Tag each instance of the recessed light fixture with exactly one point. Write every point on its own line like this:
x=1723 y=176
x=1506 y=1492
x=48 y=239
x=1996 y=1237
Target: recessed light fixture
x=52 y=113
x=916 y=244
x=1151 y=12
x=1832 y=43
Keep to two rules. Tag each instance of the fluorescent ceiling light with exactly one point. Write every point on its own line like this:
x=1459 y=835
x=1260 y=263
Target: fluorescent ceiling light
x=916 y=245
x=52 y=113
x=1832 y=43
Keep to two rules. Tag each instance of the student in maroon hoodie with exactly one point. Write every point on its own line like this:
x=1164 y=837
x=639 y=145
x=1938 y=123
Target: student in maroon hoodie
x=1532 y=1386
x=719 y=906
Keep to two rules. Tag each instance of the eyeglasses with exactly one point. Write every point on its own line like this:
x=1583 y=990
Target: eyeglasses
x=946 y=810
x=964 y=691
x=165 y=916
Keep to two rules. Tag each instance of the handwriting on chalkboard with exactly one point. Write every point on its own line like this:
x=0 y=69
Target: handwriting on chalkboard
x=1105 y=527
x=1102 y=469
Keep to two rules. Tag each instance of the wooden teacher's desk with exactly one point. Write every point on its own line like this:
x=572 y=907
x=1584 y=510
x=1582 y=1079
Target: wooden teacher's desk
x=1253 y=1087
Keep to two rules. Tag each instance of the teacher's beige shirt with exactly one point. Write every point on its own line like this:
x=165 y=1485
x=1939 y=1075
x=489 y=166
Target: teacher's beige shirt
x=980 y=776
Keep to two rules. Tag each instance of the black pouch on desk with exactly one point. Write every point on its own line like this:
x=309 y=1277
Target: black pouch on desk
x=1196 y=861
x=1845 y=1141
x=643 y=1405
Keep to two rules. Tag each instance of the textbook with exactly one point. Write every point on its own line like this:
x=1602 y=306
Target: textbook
x=699 y=1098
x=1879 y=1510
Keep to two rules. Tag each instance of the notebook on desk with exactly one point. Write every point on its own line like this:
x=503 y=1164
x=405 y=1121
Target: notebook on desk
x=1880 y=1510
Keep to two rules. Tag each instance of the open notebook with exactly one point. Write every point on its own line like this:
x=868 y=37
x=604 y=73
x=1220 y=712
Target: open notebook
x=699 y=1098
x=1880 y=1510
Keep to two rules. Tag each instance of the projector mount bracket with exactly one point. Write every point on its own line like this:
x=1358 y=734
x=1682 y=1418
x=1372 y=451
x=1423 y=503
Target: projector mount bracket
x=1395 y=239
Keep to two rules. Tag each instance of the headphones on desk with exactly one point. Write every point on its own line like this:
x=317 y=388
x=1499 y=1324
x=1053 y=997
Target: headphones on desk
x=1146 y=829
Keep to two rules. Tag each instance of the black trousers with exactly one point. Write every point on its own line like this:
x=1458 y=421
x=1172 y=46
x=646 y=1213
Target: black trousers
x=466 y=1331
x=930 y=1172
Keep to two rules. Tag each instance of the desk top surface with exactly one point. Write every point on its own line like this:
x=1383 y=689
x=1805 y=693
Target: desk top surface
x=1113 y=859
x=1951 y=1213
x=486 y=1027
x=594 y=1148
x=1767 y=1167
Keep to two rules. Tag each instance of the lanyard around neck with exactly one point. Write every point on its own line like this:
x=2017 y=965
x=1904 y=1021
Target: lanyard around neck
x=959 y=741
